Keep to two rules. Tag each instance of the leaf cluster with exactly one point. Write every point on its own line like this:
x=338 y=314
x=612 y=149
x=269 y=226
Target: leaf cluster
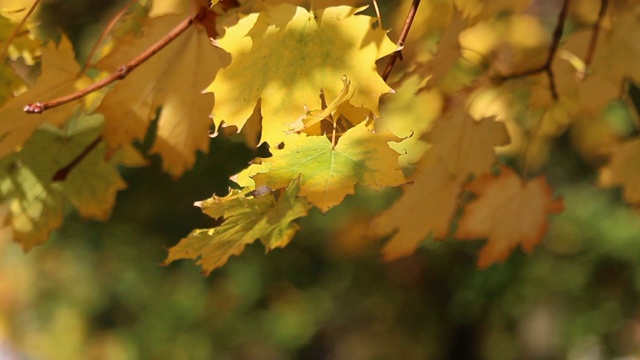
x=463 y=127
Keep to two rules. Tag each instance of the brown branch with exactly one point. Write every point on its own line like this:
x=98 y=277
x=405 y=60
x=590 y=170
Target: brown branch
x=106 y=32
x=16 y=31
x=553 y=49
x=596 y=32
x=403 y=36
x=547 y=68
x=122 y=72
x=62 y=174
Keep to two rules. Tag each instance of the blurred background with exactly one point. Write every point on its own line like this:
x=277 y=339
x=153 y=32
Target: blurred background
x=97 y=291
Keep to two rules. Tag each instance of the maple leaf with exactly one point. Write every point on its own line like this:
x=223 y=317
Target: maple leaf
x=408 y=114
x=508 y=212
x=624 y=170
x=329 y=173
x=460 y=147
x=59 y=73
x=91 y=183
x=244 y=219
x=448 y=52
x=36 y=207
x=282 y=57
x=167 y=80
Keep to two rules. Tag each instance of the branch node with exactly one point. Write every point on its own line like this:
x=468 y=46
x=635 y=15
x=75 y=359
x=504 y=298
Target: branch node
x=34 y=108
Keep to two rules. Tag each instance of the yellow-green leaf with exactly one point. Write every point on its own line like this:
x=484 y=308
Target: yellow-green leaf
x=329 y=174
x=35 y=206
x=245 y=219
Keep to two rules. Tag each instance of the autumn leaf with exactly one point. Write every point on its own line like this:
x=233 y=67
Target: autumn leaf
x=624 y=170
x=448 y=52
x=508 y=212
x=460 y=147
x=244 y=219
x=409 y=114
x=91 y=182
x=36 y=207
x=172 y=79
x=59 y=74
x=328 y=173
x=287 y=45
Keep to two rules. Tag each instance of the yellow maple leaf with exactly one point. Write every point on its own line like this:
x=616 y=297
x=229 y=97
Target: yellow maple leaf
x=282 y=56
x=408 y=114
x=508 y=212
x=460 y=147
x=624 y=170
x=171 y=79
x=329 y=173
x=245 y=219
x=59 y=74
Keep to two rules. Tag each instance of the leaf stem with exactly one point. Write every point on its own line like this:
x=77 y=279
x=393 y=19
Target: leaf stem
x=122 y=72
x=403 y=36
x=16 y=31
x=62 y=174
x=106 y=32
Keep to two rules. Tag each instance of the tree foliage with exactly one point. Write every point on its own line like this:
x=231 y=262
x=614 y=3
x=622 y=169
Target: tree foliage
x=463 y=126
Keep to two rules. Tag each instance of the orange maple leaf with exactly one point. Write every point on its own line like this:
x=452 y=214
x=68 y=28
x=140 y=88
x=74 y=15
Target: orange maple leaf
x=508 y=212
x=460 y=147
x=624 y=170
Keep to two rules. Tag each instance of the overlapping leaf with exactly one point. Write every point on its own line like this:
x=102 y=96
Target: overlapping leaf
x=460 y=147
x=285 y=56
x=59 y=73
x=329 y=173
x=172 y=79
x=35 y=206
x=624 y=170
x=508 y=212
x=76 y=156
x=56 y=165
x=245 y=219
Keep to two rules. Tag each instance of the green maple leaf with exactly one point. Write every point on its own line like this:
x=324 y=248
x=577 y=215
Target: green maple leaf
x=285 y=56
x=330 y=173
x=245 y=219
x=36 y=207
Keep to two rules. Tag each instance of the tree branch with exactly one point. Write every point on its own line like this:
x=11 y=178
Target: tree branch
x=403 y=36
x=553 y=49
x=122 y=72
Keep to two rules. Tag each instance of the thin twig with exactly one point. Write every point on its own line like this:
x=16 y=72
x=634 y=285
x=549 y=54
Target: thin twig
x=553 y=49
x=596 y=32
x=557 y=36
x=122 y=72
x=106 y=32
x=403 y=36
x=16 y=31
